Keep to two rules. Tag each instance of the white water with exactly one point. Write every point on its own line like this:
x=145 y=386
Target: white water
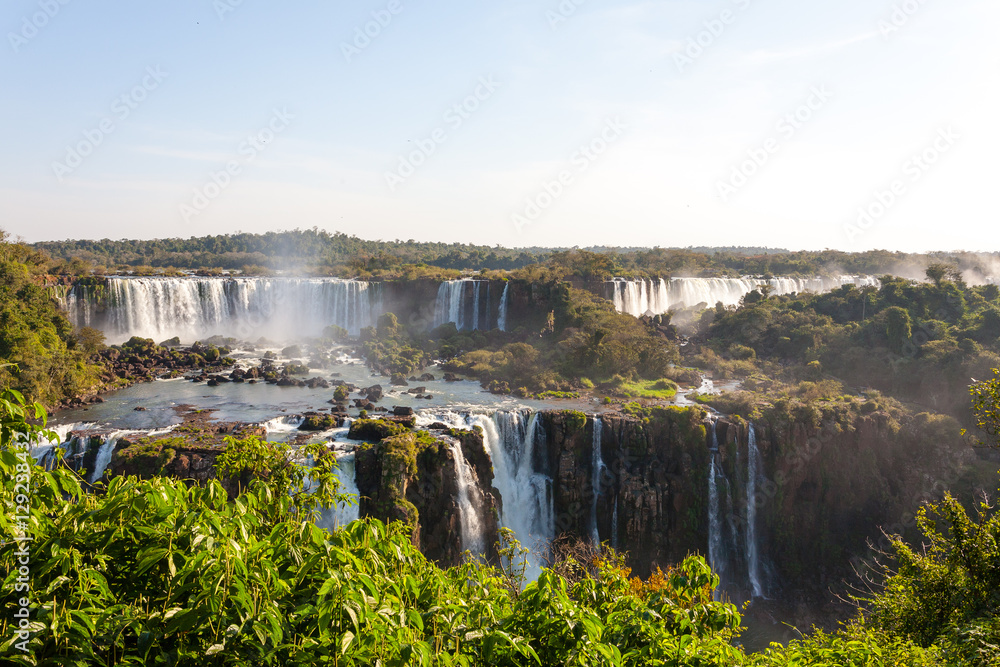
x=596 y=468
x=42 y=450
x=104 y=455
x=282 y=428
x=247 y=308
x=452 y=305
x=473 y=537
x=655 y=297
x=716 y=546
x=614 y=526
x=341 y=514
x=502 y=315
x=528 y=507
x=752 y=548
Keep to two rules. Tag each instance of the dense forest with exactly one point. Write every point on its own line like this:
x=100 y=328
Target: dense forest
x=919 y=341
x=40 y=354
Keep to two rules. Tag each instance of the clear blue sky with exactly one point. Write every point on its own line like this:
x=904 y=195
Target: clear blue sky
x=667 y=124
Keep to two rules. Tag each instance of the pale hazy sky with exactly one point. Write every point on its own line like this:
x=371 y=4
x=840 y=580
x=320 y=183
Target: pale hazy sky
x=117 y=115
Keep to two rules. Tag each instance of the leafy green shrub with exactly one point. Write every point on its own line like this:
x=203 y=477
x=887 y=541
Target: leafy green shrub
x=575 y=420
x=374 y=430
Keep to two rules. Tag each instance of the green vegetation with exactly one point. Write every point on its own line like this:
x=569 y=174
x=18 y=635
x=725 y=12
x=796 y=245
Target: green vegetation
x=39 y=354
x=374 y=430
x=916 y=341
x=653 y=389
x=257 y=254
x=160 y=572
x=340 y=254
x=584 y=339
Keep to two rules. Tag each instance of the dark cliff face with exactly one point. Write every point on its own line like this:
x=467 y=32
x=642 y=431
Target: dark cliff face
x=826 y=485
x=420 y=487
x=654 y=473
x=826 y=488
x=414 y=302
x=833 y=486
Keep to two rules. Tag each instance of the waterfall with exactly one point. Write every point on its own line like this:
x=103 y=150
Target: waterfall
x=282 y=428
x=716 y=544
x=528 y=507
x=596 y=468
x=614 y=525
x=451 y=306
x=475 y=305
x=502 y=315
x=79 y=306
x=43 y=451
x=752 y=548
x=473 y=538
x=657 y=296
x=247 y=308
x=104 y=455
x=341 y=514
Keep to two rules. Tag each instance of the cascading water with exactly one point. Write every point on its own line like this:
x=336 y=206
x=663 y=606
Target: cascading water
x=655 y=297
x=596 y=468
x=43 y=451
x=614 y=526
x=450 y=303
x=283 y=428
x=475 y=305
x=247 y=308
x=342 y=513
x=502 y=316
x=752 y=549
x=717 y=556
x=104 y=455
x=462 y=302
x=528 y=508
x=473 y=537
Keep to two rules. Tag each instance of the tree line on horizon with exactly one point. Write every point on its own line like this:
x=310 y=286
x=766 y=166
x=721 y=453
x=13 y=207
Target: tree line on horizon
x=320 y=252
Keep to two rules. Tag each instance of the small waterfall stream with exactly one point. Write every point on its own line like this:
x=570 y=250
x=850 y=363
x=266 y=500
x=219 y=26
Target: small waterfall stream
x=716 y=544
x=342 y=514
x=473 y=538
x=104 y=455
x=597 y=467
x=752 y=548
x=502 y=316
x=475 y=305
x=733 y=538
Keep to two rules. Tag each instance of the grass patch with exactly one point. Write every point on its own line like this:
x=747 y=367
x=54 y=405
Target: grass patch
x=655 y=389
